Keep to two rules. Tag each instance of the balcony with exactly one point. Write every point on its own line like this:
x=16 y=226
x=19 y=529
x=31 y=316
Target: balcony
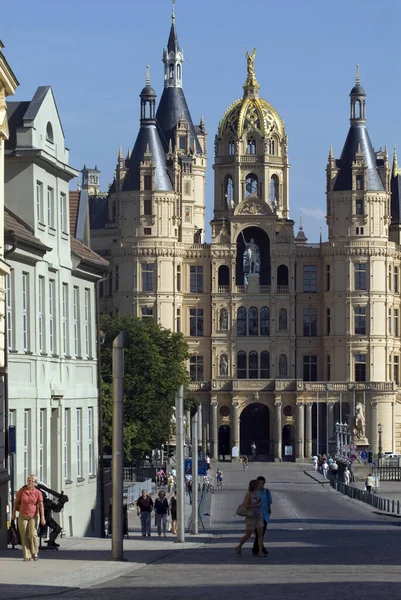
x=223 y=289
x=283 y=289
x=199 y=386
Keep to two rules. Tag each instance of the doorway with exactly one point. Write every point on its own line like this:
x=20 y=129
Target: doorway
x=254 y=427
x=224 y=449
x=288 y=438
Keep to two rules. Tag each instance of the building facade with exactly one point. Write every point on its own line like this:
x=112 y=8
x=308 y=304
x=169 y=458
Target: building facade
x=51 y=316
x=8 y=85
x=286 y=338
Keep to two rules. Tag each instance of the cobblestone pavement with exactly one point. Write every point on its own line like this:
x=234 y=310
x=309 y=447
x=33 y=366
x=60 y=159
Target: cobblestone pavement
x=321 y=544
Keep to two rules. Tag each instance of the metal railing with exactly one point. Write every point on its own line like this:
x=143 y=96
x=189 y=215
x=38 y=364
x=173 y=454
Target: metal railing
x=134 y=490
x=382 y=504
x=387 y=473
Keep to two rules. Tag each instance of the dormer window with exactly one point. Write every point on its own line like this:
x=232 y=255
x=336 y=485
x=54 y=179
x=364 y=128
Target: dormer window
x=147 y=183
x=49 y=133
x=231 y=147
x=359 y=182
x=251 y=148
x=183 y=142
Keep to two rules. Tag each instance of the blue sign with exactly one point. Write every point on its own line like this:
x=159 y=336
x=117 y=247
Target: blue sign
x=364 y=455
x=12 y=440
x=202 y=466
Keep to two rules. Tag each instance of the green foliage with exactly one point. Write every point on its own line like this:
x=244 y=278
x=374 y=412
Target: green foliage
x=154 y=368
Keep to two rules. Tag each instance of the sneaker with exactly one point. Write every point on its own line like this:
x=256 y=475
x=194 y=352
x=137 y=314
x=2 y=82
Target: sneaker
x=144 y=535
x=237 y=550
x=148 y=534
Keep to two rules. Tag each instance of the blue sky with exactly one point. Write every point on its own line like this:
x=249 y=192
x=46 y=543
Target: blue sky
x=94 y=55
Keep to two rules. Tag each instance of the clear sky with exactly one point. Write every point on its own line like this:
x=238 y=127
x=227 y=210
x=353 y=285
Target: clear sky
x=94 y=55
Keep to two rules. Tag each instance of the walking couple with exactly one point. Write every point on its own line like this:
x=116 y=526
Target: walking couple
x=257 y=502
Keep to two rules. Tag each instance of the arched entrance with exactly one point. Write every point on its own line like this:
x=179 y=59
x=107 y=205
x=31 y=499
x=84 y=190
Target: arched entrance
x=224 y=449
x=288 y=438
x=254 y=427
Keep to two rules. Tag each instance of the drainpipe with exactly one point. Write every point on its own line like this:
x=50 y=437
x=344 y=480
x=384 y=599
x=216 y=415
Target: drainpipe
x=99 y=342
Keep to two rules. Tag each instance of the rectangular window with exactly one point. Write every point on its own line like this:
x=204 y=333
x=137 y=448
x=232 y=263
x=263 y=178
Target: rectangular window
x=396 y=321
x=196 y=279
x=42 y=444
x=359 y=183
x=88 y=349
x=360 y=320
x=76 y=321
x=328 y=278
x=328 y=321
x=79 y=442
x=360 y=276
x=116 y=278
x=196 y=322
x=389 y=323
x=147 y=312
x=9 y=309
x=310 y=278
x=178 y=278
x=390 y=277
x=52 y=316
x=91 y=452
x=27 y=438
x=65 y=319
x=310 y=322
x=147 y=231
x=50 y=207
x=25 y=311
x=183 y=142
x=310 y=367
x=147 y=182
x=39 y=201
x=396 y=366
x=63 y=213
x=359 y=206
x=396 y=280
x=147 y=277
x=67 y=444
x=328 y=367
x=178 y=320
x=360 y=367
x=147 y=206
x=41 y=316
x=196 y=368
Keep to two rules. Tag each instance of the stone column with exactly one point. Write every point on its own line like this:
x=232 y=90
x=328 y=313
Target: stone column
x=373 y=427
x=300 y=432
x=213 y=430
x=205 y=424
x=308 y=431
x=200 y=416
x=235 y=426
x=278 y=433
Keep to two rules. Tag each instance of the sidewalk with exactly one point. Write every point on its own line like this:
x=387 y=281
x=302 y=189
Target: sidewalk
x=84 y=562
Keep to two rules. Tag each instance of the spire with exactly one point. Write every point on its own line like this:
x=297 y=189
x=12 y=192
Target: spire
x=173 y=58
x=395 y=163
x=147 y=75
x=173 y=13
x=331 y=153
x=120 y=153
x=128 y=154
x=172 y=44
x=357 y=77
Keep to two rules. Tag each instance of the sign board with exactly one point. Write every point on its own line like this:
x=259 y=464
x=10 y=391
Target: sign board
x=12 y=440
x=364 y=455
x=353 y=447
x=235 y=452
x=347 y=447
x=352 y=457
x=202 y=466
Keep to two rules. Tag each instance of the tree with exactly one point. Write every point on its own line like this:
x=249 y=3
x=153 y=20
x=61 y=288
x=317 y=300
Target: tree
x=154 y=368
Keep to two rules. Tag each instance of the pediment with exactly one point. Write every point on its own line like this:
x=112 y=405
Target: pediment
x=253 y=206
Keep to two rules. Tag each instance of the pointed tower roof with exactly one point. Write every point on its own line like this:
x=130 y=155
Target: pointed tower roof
x=395 y=192
x=172 y=44
x=358 y=141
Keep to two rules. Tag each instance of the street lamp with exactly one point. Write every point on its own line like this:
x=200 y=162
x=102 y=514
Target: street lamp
x=338 y=439
x=380 y=430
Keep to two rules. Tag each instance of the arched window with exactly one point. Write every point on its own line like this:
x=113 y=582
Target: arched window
x=265 y=321
x=264 y=365
x=224 y=275
x=253 y=324
x=231 y=147
x=171 y=74
x=49 y=133
x=178 y=71
x=229 y=190
x=241 y=365
x=253 y=367
x=251 y=184
x=282 y=365
x=282 y=275
x=241 y=321
x=282 y=319
x=251 y=147
x=274 y=190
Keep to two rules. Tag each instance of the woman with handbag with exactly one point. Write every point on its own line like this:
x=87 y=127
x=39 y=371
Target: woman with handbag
x=29 y=503
x=250 y=508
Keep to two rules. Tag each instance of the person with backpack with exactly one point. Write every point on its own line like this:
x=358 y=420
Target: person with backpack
x=266 y=503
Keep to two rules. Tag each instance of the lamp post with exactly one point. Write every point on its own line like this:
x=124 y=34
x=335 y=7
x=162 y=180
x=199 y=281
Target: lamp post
x=380 y=455
x=338 y=439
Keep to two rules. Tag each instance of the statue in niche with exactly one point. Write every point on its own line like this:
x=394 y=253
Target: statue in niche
x=223 y=319
x=251 y=258
x=359 y=429
x=282 y=365
x=223 y=366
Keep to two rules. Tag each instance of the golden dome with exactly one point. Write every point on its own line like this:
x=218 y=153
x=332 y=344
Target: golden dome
x=251 y=112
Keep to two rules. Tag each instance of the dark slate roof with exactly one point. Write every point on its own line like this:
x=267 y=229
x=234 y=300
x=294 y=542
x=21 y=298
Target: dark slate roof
x=15 y=115
x=147 y=135
x=98 y=212
x=357 y=135
x=396 y=199
x=172 y=44
x=172 y=105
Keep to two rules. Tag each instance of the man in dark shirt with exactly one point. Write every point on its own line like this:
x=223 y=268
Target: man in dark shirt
x=144 y=507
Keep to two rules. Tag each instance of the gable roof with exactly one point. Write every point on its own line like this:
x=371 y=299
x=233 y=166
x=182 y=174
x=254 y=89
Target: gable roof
x=14 y=225
x=87 y=255
x=74 y=204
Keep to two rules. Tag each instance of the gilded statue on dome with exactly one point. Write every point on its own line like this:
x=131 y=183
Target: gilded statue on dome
x=251 y=78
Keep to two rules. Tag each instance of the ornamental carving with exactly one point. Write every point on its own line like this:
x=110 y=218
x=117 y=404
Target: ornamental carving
x=254 y=206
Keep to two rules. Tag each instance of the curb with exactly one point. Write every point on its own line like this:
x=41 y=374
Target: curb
x=322 y=481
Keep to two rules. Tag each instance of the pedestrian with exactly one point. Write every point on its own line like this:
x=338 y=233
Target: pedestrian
x=347 y=476
x=245 y=462
x=265 y=497
x=189 y=490
x=370 y=483
x=161 y=513
x=144 y=507
x=253 y=520
x=325 y=468
x=207 y=462
x=29 y=502
x=171 y=482
x=334 y=470
x=254 y=449
x=173 y=512
x=160 y=477
x=314 y=462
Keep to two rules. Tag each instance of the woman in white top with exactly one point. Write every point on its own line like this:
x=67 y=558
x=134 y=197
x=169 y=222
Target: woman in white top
x=254 y=519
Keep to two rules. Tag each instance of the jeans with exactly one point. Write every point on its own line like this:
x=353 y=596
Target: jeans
x=161 y=523
x=145 y=522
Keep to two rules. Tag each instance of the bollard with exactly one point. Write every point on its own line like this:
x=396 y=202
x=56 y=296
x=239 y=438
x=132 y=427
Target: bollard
x=398 y=507
x=393 y=507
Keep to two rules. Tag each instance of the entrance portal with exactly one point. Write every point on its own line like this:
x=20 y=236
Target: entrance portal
x=224 y=450
x=254 y=427
x=288 y=452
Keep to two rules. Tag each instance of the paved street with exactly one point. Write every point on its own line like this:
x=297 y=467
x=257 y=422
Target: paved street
x=320 y=544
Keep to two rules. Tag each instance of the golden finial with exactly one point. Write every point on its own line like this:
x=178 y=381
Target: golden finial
x=251 y=81
x=148 y=75
x=395 y=163
x=357 y=77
